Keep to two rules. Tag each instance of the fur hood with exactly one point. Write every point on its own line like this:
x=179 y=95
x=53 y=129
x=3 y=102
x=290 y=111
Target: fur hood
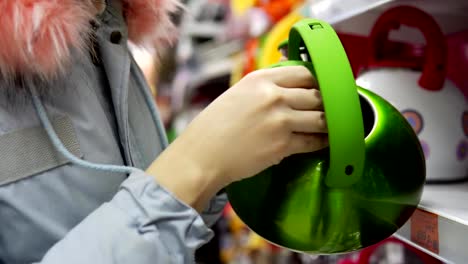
x=38 y=36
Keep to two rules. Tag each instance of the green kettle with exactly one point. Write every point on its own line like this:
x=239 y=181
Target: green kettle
x=353 y=194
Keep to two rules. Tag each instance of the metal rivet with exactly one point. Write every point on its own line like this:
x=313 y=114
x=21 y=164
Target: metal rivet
x=116 y=37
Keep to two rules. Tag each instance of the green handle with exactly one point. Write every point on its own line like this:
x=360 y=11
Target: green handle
x=340 y=98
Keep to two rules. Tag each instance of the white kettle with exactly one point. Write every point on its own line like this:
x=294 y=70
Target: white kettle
x=417 y=86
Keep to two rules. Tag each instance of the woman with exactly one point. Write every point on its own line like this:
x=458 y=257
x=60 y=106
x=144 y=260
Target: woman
x=73 y=100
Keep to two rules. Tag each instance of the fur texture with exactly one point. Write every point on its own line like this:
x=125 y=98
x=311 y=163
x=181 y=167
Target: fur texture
x=143 y=15
x=38 y=36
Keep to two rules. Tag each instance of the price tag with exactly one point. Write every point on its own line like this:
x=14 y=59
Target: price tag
x=425 y=230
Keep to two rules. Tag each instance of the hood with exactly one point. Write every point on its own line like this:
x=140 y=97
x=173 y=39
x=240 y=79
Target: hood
x=38 y=36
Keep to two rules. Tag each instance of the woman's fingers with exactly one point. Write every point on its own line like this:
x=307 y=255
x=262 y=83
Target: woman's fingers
x=307 y=122
x=302 y=99
x=290 y=77
x=304 y=143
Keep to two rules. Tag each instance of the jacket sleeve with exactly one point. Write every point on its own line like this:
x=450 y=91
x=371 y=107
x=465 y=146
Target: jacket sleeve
x=142 y=224
x=214 y=209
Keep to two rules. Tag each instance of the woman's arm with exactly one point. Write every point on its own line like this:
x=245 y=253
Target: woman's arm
x=154 y=217
x=268 y=115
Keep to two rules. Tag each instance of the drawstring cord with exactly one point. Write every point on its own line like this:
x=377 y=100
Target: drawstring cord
x=154 y=115
x=44 y=119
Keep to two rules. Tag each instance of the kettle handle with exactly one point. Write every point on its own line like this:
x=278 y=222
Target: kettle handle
x=434 y=65
x=332 y=70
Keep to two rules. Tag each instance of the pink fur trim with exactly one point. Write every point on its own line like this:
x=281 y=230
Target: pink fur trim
x=149 y=21
x=37 y=36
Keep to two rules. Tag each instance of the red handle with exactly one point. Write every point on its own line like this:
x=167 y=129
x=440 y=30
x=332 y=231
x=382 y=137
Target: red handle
x=435 y=59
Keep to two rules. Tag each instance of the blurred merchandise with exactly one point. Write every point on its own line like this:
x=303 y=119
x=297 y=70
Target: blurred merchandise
x=390 y=251
x=270 y=21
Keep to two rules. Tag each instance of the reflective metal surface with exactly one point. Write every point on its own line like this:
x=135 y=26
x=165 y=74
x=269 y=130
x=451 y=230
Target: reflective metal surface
x=290 y=205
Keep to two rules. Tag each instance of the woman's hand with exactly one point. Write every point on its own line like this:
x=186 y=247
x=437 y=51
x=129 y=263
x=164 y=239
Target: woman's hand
x=268 y=115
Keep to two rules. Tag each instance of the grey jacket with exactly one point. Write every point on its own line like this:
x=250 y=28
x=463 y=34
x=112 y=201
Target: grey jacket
x=53 y=211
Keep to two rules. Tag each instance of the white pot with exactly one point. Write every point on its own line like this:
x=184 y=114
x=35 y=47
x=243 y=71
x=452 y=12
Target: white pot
x=438 y=117
x=432 y=104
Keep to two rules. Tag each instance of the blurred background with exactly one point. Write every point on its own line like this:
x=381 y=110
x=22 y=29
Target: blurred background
x=222 y=40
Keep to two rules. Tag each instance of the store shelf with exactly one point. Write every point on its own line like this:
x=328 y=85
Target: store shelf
x=334 y=11
x=358 y=16
x=440 y=226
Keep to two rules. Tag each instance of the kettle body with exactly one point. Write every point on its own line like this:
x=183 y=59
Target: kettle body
x=353 y=194
x=290 y=205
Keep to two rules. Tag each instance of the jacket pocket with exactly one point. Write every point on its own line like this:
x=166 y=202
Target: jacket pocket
x=28 y=151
